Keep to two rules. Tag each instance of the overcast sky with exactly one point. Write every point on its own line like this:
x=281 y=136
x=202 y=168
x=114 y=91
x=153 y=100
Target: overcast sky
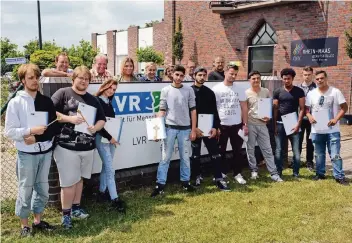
x=70 y=21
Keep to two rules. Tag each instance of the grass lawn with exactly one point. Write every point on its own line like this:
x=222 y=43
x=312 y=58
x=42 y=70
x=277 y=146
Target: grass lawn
x=262 y=211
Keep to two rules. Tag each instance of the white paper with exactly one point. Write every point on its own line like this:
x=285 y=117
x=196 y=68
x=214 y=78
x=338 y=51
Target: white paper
x=290 y=121
x=88 y=113
x=205 y=123
x=37 y=118
x=265 y=107
x=241 y=134
x=114 y=127
x=156 y=128
x=322 y=118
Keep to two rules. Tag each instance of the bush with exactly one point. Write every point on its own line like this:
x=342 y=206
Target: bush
x=148 y=54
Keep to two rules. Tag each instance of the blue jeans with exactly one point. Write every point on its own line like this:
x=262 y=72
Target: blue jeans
x=280 y=140
x=332 y=142
x=167 y=147
x=33 y=187
x=107 y=175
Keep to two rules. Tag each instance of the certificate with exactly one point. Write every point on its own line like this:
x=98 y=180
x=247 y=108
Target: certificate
x=265 y=106
x=290 y=121
x=88 y=113
x=156 y=128
x=205 y=123
x=37 y=118
x=114 y=127
x=322 y=118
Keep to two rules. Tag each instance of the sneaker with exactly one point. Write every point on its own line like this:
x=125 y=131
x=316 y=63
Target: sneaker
x=277 y=178
x=199 y=179
x=188 y=187
x=343 y=182
x=310 y=166
x=222 y=185
x=66 y=222
x=79 y=214
x=119 y=205
x=224 y=176
x=318 y=177
x=254 y=175
x=25 y=232
x=240 y=179
x=43 y=226
x=159 y=189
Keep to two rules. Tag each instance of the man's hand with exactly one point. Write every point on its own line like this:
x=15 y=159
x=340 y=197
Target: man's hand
x=213 y=133
x=76 y=120
x=29 y=140
x=332 y=122
x=199 y=133
x=193 y=135
x=92 y=129
x=296 y=128
x=38 y=130
x=311 y=119
x=245 y=130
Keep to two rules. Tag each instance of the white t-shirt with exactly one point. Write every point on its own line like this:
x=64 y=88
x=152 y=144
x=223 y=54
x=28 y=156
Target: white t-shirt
x=333 y=98
x=228 y=103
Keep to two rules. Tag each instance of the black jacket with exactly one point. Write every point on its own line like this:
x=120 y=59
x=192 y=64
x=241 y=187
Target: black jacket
x=109 y=112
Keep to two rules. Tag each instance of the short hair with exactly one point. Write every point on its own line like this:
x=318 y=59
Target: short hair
x=308 y=69
x=63 y=54
x=200 y=69
x=100 y=56
x=321 y=71
x=123 y=63
x=219 y=57
x=235 y=67
x=180 y=68
x=81 y=69
x=254 y=72
x=148 y=65
x=288 y=71
x=24 y=68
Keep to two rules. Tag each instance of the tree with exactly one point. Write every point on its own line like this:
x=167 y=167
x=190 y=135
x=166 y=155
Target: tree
x=148 y=54
x=33 y=45
x=151 y=23
x=349 y=41
x=177 y=42
x=84 y=51
x=8 y=49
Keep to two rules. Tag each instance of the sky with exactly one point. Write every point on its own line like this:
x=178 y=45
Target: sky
x=70 y=21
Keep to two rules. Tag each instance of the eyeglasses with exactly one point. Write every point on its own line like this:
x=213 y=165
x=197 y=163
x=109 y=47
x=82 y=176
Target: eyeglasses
x=321 y=100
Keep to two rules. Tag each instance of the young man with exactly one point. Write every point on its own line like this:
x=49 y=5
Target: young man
x=206 y=104
x=177 y=102
x=287 y=99
x=331 y=100
x=257 y=130
x=190 y=71
x=218 y=73
x=74 y=153
x=307 y=85
x=232 y=107
x=34 y=148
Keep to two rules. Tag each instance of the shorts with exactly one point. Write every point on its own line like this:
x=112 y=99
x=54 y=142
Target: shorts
x=73 y=165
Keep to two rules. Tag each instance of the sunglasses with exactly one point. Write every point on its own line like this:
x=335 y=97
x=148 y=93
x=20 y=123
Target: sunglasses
x=321 y=100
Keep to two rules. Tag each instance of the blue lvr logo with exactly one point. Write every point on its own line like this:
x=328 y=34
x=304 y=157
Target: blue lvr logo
x=136 y=102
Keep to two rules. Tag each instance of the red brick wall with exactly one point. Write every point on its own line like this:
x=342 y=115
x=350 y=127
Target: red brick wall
x=111 y=38
x=159 y=37
x=133 y=43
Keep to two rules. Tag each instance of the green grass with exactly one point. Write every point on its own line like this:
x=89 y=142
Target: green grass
x=262 y=211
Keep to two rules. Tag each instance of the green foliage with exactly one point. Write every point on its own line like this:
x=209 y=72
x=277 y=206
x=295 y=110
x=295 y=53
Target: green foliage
x=75 y=62
x=33 y=45
x=84 y=51
x=151 y=23
x=177 y=42
x=148 y=54
x=8 y=49
x=349 y=41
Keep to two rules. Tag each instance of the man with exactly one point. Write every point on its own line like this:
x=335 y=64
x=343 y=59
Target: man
x=74 y=151
x=34 y=147
x=206 y=104
x=99 y=72
x=232 y=107
x=177 y=102
x=62 y=62
x=257 y=130
x=218 y=73
x=307 y=85
x=287 y=99
x=190 y=71
x=330 y=101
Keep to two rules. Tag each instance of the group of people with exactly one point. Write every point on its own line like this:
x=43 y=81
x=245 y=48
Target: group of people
x=234 y=109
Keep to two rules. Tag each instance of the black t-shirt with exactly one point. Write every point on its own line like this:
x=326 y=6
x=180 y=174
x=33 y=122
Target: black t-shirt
x=216 y=75
x=288 y=101
x=66 y=102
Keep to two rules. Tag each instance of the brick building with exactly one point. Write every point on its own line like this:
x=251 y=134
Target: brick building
x=256 y=34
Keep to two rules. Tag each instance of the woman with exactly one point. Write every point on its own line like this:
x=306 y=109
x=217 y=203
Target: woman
x=150 y=73
x=168 y=73
x=126 y=69
x=62 y=62
x=107 y=150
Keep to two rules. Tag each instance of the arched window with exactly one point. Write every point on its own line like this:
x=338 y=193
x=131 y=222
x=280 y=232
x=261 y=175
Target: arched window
x=261 y=51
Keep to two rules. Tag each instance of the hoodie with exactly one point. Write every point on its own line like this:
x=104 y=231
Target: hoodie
x=16 y=125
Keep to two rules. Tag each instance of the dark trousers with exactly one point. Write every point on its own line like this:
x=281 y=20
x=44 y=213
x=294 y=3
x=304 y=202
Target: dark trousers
x=306 y=128
x=213 y=149
x=236 y=142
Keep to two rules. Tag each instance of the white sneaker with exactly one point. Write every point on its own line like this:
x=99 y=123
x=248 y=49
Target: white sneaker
x=254 y=175
x=277 y=178
x=240 y=179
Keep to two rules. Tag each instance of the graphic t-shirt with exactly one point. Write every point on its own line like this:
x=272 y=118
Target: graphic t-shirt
x=66 y=102
x=332 y=100
x=228 y=100
x=252 y=103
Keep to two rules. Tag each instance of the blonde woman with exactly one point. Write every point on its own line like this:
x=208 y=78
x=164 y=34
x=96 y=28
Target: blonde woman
x=126 y=69
x=168 y=73
x=150 y=73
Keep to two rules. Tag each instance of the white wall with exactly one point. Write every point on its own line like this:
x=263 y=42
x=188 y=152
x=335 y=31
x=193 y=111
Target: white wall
x=122 y=43
x=102 y=44
x=145 y=37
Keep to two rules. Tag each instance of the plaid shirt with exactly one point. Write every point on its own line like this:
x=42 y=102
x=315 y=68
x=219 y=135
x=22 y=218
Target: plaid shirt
x=96 y=78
